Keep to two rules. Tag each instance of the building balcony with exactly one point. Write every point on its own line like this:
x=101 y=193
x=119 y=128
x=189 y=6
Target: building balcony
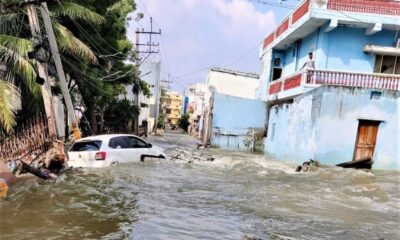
x=386 y=7
x=301 y=82
x=373 y=15
x=173 y=116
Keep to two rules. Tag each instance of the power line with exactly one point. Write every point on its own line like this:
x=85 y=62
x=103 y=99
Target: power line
x=94 y=42
x=273 y=4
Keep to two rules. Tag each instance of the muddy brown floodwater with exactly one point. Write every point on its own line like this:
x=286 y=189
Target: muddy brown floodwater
x=238 y=196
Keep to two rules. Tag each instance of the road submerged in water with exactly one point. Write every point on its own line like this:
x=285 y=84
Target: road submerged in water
x=237 y=196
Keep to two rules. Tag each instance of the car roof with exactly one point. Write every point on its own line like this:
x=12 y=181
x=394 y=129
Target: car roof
x=104 y=137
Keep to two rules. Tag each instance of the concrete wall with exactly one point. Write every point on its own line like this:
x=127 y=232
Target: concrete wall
x=232 y=84
x=323 y=124
x=235 y=116
x=265 y=76
x=340 y=49
x=345 y=49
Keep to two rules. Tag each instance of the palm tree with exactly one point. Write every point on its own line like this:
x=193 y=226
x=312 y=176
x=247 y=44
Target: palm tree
x=19 y=73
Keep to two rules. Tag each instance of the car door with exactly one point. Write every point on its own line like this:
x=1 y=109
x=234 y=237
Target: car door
x=82 y=153
x=120 y=150
x=138 y=147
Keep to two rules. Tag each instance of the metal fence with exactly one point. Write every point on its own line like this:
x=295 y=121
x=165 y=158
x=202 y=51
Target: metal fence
x=27 y=142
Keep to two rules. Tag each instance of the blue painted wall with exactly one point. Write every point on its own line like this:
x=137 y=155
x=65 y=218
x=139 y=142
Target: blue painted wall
x=235 y=116
x=340 y=49
x=345 y=49
x=322 y=124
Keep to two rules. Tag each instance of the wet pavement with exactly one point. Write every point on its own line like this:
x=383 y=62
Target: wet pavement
x=237 y=196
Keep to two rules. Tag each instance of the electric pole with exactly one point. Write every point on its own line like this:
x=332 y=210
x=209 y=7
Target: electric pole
x=42 y=71
x=138 y=61
x=60 y=71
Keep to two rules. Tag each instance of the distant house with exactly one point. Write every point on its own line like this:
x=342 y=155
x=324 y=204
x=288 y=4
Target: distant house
x=150 y=73
x=173 y=107
x=344 y=104
x=231 y=115
x=195 y=95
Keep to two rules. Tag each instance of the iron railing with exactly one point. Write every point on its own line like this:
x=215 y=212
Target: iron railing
x=27 y=142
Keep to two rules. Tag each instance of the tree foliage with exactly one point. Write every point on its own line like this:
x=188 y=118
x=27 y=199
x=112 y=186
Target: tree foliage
x=183 y=122
x=91 y=36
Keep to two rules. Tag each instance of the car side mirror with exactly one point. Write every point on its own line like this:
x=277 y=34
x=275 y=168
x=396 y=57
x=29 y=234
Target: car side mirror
x=149 y=145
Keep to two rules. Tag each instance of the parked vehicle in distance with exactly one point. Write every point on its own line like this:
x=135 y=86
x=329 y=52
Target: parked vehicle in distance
x=105 y=150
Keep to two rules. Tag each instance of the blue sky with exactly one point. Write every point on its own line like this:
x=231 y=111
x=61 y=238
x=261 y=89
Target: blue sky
x=199 y=34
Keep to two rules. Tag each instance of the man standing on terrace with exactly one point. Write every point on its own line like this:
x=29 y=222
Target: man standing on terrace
x=310 y=64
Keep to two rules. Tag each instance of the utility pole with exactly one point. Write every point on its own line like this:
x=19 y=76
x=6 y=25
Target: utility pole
x=60 y=71
x=42 y=71
x=138 y=61
x=137 y=83
x=157 y=97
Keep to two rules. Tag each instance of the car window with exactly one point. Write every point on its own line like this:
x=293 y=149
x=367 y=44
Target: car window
x=119 y=142
x=86 y=146
x=137 y=143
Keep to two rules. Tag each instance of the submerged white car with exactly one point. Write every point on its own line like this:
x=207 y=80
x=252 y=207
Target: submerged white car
x=105 y=150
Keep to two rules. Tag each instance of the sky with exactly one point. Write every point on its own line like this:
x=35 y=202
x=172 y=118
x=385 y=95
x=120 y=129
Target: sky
x=200 y=34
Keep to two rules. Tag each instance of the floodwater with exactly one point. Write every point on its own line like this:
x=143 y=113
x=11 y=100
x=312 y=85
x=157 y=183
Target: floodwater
x=238 y=196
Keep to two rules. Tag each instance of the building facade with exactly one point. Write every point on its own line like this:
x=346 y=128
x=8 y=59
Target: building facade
x=343 y=104
x=150 y=73
x=232 y=116
x=173 y=108
x=195 y=94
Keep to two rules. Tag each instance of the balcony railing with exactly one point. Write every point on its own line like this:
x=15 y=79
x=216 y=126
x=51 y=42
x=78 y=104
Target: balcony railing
x=364 y=80
x=315 y=78
x=387 y=7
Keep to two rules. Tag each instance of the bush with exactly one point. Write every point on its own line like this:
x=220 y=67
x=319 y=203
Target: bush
x=183 y=122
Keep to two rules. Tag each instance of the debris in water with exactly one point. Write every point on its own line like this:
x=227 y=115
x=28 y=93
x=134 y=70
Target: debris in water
x=190 y=157
x=3 y=188
x=363 y=164
x=309 y=166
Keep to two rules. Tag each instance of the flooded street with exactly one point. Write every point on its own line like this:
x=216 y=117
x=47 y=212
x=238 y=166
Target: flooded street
x=238 y=196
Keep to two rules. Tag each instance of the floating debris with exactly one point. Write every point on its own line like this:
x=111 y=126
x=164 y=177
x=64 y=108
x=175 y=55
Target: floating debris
x=363 y=164
x=310 y=166
x=190 y=157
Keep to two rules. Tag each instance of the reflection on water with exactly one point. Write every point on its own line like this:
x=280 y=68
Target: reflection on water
x=238 y=196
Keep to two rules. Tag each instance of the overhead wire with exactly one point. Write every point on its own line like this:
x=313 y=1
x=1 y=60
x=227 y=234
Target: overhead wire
x=93 y=42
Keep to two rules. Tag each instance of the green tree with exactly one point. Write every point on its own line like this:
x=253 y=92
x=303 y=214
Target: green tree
x=20 y=71
x=183 y=122
x=91 y=35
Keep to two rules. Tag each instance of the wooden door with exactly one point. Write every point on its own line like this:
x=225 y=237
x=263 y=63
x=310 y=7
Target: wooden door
x=366 y=139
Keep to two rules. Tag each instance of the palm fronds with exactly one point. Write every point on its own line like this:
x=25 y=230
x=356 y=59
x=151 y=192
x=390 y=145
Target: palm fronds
x=10 y=103
x=67 y=42
x=19 y=66
x=19 y=45
x=77 y=12
x=8 y=22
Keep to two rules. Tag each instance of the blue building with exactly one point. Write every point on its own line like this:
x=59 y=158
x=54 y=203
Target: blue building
x=344 y=103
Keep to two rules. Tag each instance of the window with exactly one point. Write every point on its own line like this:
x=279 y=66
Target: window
x=276 y=73
x=119 y=142
x=168 y=111
x=86 y=146
x=137 y=143
x=387 y=64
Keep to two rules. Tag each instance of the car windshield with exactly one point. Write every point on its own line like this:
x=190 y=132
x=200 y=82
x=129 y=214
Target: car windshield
x=86 y=146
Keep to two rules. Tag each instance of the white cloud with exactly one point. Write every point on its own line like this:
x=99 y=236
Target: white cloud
x=205 y=33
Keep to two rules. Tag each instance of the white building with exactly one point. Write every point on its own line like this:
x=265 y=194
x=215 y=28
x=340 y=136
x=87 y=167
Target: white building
x=231 y=82
x=233 y=90
x=150 y=73
x=195 y=94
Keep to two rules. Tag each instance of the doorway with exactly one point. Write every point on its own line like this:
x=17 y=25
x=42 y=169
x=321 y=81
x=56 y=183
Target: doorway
x=366 y=139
